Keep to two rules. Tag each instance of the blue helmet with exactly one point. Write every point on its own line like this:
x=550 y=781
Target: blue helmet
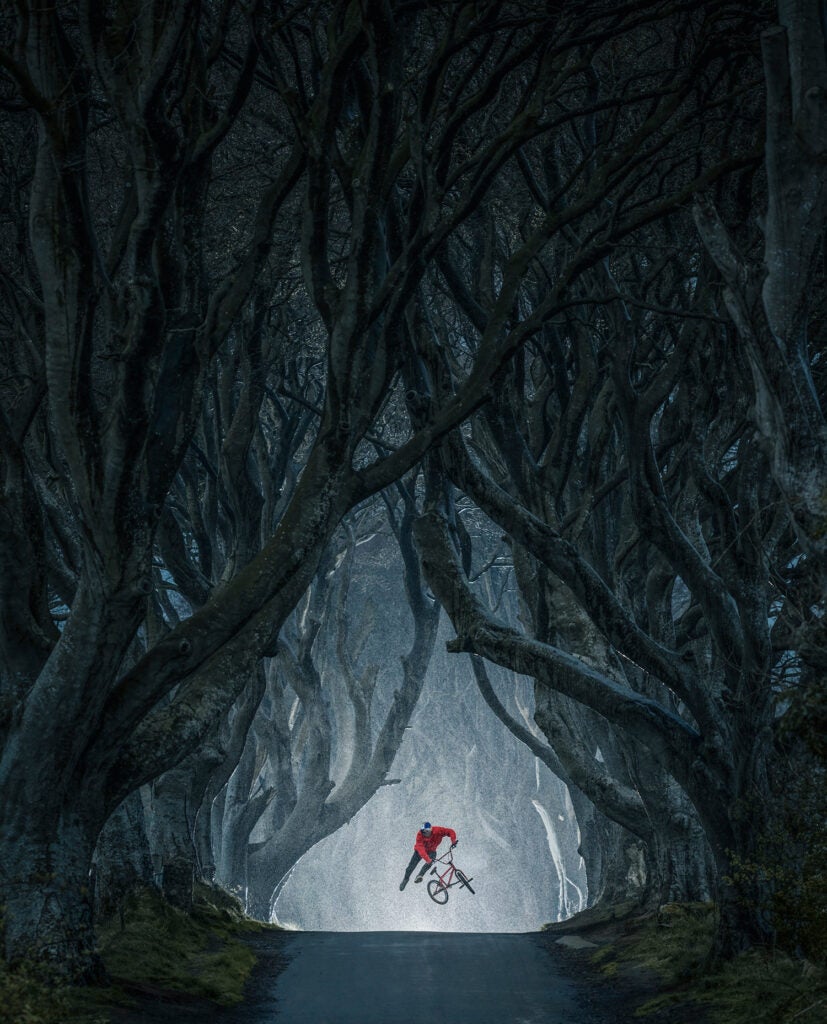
x=427 y=825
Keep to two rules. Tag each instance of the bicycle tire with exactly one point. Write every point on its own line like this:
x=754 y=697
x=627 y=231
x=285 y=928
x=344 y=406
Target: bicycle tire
x=465 y=881
x=438 y=892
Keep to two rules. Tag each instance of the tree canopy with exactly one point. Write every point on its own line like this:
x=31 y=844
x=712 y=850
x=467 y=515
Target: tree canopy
x=533 y=290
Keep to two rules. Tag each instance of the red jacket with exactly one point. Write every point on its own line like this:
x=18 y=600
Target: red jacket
x=426 y=846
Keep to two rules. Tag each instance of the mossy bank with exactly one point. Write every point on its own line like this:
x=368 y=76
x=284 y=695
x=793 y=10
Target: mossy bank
x=151 y=948
x=662 y=960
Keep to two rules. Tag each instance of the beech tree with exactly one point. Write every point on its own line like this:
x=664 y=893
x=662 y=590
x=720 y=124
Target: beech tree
x=658 y=424
x=718 y=747
x=130 y=285
x=192 y=160
x=323 y=712
x=121 y=331
x=237 y=477
x=640 y=838
x=773 y=291
x=666 y=436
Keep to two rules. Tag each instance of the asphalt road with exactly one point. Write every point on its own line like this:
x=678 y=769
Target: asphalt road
x=404 y=978
x=410 y=977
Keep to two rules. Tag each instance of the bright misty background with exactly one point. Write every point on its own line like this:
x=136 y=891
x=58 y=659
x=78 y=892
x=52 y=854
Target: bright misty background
x=459 y=767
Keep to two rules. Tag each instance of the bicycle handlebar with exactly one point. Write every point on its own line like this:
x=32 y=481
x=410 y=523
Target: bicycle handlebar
x=445 y=858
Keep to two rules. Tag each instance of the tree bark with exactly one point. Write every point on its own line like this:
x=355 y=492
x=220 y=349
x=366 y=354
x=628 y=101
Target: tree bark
x=123 y=860
x=47 y=893
x=731 y=806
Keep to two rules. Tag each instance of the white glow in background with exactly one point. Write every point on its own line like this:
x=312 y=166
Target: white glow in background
x=459 y=767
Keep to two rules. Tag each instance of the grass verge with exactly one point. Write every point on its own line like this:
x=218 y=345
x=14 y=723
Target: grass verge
x=198 y=953
x=28 y=997
x=671 y=949
x=153 y=948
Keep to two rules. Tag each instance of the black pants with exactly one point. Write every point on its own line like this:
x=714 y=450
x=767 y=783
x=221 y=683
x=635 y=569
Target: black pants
x=412 y=864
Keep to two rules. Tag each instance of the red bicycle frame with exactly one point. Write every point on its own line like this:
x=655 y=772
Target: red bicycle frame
x=438 y=887
x=449 y=872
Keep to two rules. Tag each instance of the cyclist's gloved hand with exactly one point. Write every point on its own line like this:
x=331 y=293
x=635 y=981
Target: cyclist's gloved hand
x=454 y=844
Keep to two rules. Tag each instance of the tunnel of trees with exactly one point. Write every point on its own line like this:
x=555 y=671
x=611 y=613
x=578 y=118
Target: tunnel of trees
x=535 y=293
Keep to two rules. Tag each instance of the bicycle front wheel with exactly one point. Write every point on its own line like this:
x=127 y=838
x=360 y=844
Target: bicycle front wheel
x=463 y=880
x=437 y=891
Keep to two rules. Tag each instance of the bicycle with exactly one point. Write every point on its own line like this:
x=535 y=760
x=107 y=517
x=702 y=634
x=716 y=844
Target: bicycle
x=438 y=887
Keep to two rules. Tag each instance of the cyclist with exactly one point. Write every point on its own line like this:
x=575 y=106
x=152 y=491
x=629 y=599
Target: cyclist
x=427 y=840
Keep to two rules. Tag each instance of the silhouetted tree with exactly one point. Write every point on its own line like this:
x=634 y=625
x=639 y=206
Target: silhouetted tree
x=136 y=264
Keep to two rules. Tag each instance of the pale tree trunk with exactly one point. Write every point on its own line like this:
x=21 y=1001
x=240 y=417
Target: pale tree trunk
x=603 y=840
x=720 y=795
x=243 y=807
x=649 y=806
x=317 y=808
x=123 y=860
x=216 y=827
x=609 y=854
x=269 y=865
x=177 y=796
x=230 y=742
x=172 y=802
x=231 y=867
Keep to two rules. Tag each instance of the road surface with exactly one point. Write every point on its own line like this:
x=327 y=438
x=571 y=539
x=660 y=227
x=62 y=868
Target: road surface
x=406 y=978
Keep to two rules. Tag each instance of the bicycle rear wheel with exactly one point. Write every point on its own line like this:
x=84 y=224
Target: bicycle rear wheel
x=437 y=891
x=463 y=880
